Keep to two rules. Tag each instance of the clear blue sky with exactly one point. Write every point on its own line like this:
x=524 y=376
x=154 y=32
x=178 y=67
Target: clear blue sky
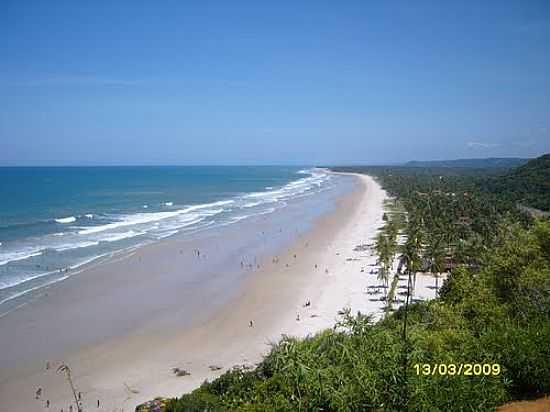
x=253 y=82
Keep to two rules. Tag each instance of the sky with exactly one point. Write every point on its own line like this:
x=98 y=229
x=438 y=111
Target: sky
x=274 y=82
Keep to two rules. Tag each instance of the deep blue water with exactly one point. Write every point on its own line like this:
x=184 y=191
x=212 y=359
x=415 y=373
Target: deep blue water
x=55 y=219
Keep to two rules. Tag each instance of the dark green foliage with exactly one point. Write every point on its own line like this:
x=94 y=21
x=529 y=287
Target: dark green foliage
x=491 y=162
x=200 y=400
x=494 y=187
x=528 y=184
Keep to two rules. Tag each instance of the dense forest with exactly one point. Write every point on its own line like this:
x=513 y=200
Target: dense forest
x=492 y=310
x=529 y=185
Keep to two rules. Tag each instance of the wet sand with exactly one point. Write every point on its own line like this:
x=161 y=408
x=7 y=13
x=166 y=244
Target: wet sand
x=123 y=368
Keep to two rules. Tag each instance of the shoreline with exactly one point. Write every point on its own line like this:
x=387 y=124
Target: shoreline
x=126 y=371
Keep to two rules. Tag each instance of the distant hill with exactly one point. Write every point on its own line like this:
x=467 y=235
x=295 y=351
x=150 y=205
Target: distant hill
x=491 y=162
x=521 y=181
x=528 y=184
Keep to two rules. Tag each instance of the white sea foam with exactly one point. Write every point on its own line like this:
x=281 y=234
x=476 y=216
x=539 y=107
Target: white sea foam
x=76 y=245
x=18 y=281
x=65 y=220
x=89 y=215
x=24 y=292
x=114 y=237
x=169 y=204
x=239 y=218
x=251 y=204
x=290 y=190
x=142 y=218
x=167 y=234
x=180 y=223
x=267 y=211
x=8 y=257
x=270 y=194
x=9 y=283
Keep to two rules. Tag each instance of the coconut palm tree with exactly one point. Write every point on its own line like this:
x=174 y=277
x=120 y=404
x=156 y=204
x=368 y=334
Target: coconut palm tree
x=411 y=251
x=435 y=253
x=67 y=371
x=385 y=256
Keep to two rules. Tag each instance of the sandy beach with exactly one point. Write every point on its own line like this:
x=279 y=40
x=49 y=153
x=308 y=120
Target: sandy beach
x=125 y=369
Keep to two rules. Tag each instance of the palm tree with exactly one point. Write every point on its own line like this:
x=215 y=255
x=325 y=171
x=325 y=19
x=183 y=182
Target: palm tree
x=383 y=249
x=391 y=293
x=411 y=251
x=67 y=371
x=392 y=231
x=435 y=253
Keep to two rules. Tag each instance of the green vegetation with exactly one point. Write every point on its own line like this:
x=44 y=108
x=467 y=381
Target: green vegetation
x=499 y=188
x=491 y=162
x=494 y=308
x=528 y=185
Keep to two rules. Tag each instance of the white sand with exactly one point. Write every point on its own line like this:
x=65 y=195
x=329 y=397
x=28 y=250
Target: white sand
x=127 y=371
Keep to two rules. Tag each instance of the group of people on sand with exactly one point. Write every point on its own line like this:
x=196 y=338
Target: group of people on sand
x=275 y=260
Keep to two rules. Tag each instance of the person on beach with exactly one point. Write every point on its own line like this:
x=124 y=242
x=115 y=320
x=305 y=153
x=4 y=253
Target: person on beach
x=251 y=324
x=38 y=393
x=47 y=403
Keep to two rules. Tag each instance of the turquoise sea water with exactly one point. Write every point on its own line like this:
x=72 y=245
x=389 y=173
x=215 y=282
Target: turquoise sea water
x=53 y=220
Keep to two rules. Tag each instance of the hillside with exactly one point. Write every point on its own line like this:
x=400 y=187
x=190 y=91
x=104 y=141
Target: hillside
x=528 y=185
x=492 y=162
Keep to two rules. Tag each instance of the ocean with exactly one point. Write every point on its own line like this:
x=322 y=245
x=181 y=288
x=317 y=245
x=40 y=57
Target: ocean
x=56 y=220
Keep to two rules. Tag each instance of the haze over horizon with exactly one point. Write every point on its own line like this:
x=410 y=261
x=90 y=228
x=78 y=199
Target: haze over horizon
x=280 y=83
